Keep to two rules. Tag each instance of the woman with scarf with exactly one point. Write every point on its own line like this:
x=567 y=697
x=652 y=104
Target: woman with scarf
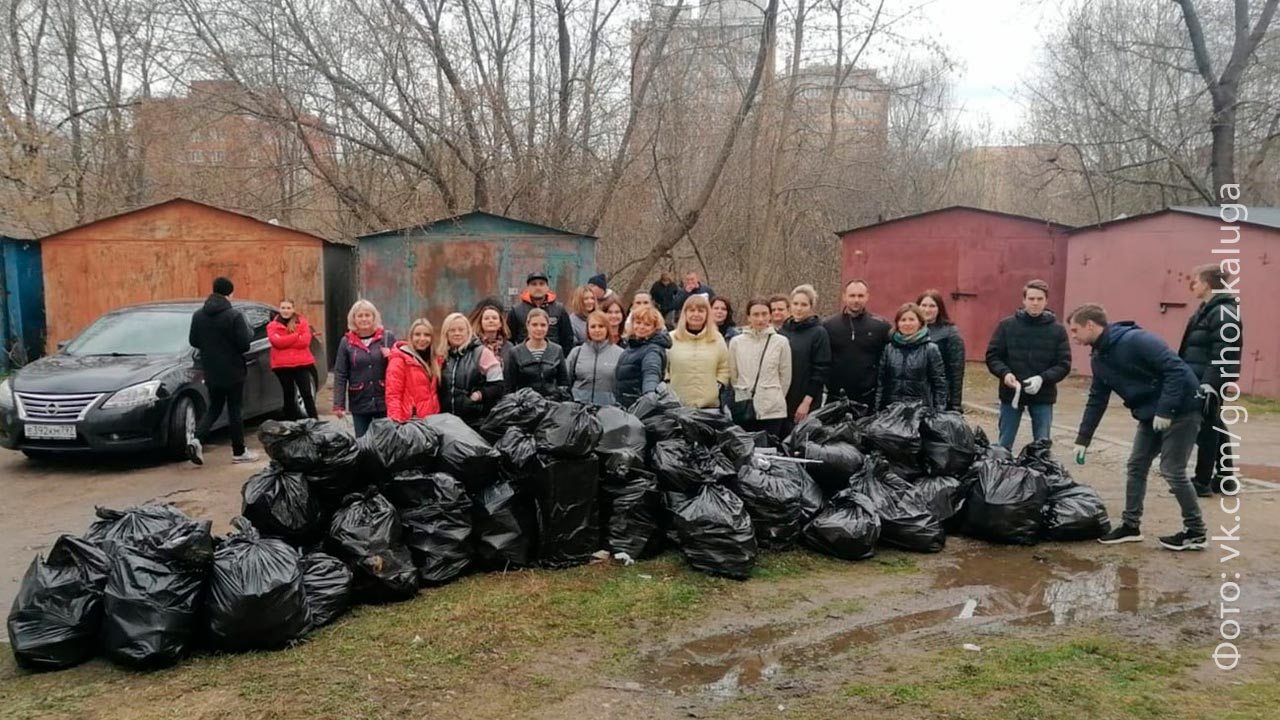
x=911 y=367
x=489 y=324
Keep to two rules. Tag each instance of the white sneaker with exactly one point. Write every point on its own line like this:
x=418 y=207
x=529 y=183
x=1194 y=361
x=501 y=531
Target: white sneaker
x=195 y=452
x=247 y=456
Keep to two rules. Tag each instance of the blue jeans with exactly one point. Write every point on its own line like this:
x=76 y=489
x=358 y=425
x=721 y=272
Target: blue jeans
x=1010 y=419
x=362 y=422
x=1174 y=448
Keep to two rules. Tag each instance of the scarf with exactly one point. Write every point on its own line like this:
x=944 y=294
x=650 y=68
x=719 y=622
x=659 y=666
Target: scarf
x=495 y=343
x=919 y=335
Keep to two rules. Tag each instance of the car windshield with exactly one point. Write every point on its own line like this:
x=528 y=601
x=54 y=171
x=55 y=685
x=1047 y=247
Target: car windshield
x=135 y=332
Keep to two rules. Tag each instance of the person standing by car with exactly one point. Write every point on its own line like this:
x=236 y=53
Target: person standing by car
x=1215 y=360
x=538 y=294
x=291 y=359
x=221 y=334
x=471 y=381
x=1030 y=354
x=944 y=334
x=760 y=364
x=360 y=370
x=536 y=363
x=810 y=354
x=698 y=361
x=858 y=339
x=644 y=357
x=413 y=375
x=593 y=365
x=912 y=367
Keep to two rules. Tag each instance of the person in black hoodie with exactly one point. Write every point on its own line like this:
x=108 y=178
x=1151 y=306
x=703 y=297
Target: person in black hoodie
x=912 y=367
x=943 y=333
x=858 y=338
x=1215 y=361
x=537 y=363
x=1030 y=353
x=471 y=381
x=222 y=335
x=538 y=294
x=810 y=355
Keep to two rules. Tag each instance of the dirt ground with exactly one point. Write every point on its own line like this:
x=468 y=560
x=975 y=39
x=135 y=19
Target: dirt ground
x=841 y=641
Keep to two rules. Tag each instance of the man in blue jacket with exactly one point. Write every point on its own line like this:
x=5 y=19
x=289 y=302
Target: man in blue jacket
x=1161 y=392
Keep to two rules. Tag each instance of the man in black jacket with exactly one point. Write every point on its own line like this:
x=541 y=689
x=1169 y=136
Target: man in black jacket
x=858 y=339
x=222 y=335
x=664 y=294
x=1030 y=354
x=538 y=294
x=1215 y=360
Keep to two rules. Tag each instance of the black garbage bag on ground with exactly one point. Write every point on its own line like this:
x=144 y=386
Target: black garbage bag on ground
x=654 y=403
x=622 y=441
x=410 y=488
x=438 y=531
x=132 y=524
x=905 y=518
x=308 y=446
x=895 y=431
x=847 y=528
x=700 y=426
x=1005 y=504
x=944 y=495
x=947 y=444
x=838 y=461
x=993 y=453
x=682 y=466
x=1076 y=513
x=505 y=527
x=519 y=451
x=152 y=601
x=569 y=430
x=367 y=535
x=715 y=532
x=329 y=489
x=57 y=614
x=736 y=445
x=1038 y=455
x=327 y=582
x=566 y=493
x=463 y=453
x=279 y=504
x=522 y=409
x=780 y=497
x=631 y=513
x=395 y=446
x=256 y=598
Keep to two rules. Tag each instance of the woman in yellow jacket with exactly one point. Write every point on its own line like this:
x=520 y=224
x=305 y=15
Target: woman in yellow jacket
x=698 y=361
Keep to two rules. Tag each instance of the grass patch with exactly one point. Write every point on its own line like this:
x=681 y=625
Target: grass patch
x=794 y=563
x=1259 y=405
x=844 y=606
x=895 y=563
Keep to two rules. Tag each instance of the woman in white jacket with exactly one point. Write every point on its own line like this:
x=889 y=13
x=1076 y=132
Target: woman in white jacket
x=760 y=365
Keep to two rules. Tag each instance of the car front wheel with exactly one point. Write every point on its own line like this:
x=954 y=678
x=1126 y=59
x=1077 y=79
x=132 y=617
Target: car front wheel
x=182 y=427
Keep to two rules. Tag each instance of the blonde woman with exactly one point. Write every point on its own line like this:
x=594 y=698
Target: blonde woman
x=360 y=371
x=581 y=307
x=471 y=381
x=698 y=361
x=760 y=362
x=413 y=375
x=644 y=357
x=810 y=354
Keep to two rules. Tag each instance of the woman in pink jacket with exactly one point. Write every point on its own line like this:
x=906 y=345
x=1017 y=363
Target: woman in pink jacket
x=291 y=359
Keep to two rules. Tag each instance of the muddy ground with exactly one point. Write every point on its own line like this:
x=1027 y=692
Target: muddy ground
x=790 y=647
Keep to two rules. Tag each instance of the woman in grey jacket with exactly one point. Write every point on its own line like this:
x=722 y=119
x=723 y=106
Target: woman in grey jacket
x=946 y=336
x=593 y=365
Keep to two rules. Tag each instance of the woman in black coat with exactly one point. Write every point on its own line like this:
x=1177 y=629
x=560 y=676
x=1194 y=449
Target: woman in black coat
x=1215 y=361
x=471 y=379
x=810 y=354
x=911 y=367
x=537 y=363
x=946 y=336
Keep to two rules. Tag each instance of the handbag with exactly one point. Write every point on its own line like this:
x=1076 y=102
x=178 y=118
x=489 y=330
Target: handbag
x=744 y=411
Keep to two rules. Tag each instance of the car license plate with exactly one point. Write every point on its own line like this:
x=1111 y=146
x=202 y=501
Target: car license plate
x=51 y=432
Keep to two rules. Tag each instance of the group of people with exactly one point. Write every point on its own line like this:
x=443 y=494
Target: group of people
x=767 y=374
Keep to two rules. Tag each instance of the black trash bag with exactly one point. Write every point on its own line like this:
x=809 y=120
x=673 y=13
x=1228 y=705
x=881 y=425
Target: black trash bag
x=1076 y=513
x=256 y=599
x=622 y=441
x=1005 y=504
x=438 y=531
x=653 y=403
x=700 y=426
x=279 y=504
x=944 y=495
x=410 y=488
x=1037 y=455
x=367 y=535
x=631 y=513
x=847 y=528
x=463 y=453
x=519 y=451
x=947 y=444
x=395 y=446
x=328 y=584
x=715 y=532
x=57 y=614
x=980 y=439
x=780 y=497
x=993 y=453
x=682 y=466
x=505 y=527
x=328 y=490
x=132 y=524
x=522 y=409
x=895 y=431
x=569 y=430
x=838 y=461
x=737 y=446
x=152 y=601
x=566 y=494
x=308 y=446
x=905 y=518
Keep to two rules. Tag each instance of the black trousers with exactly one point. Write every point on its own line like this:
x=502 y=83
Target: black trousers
x=232 y=398
x=296 y=381
x=773 y=427
x=1209 y=447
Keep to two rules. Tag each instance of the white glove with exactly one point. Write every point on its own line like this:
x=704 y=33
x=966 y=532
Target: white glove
x=1208 y=390
x=1160 y=424
x=1080 y=451
x=1033 y=384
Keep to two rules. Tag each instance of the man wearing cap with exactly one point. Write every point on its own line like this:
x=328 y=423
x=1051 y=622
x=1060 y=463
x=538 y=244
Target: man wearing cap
x=538 y=294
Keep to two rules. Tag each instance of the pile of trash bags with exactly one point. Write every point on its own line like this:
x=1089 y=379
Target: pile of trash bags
x=333 y=522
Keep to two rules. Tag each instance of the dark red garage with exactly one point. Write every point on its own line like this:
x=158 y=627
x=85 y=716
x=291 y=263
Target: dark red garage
x=979 y=259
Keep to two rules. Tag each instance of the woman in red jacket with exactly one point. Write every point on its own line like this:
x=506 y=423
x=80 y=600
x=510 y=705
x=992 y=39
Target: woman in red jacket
x=291 y=359
x=413 y=374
